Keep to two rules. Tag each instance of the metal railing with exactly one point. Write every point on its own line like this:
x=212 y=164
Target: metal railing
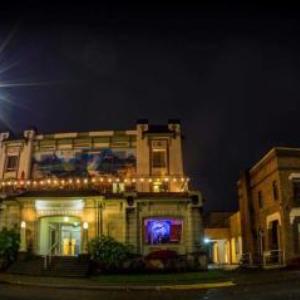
x=48 y=256
x=246 y=259
x=273 y=257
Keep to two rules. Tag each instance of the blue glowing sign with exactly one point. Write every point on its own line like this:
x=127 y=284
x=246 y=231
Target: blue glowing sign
x=162 y=231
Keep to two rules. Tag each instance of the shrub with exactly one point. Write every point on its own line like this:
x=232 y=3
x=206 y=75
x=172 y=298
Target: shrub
x=162 y=255
x=9 y=246
x=108 y=254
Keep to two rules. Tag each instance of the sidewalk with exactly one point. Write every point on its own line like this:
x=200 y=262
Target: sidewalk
x=94 y=284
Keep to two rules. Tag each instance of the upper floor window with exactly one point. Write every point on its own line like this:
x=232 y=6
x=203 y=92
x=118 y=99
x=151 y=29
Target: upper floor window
x=160 y=187
x=11 y=163
x=159 y=154
x=275 y=190
x=159 y=158
x=296 y=187
x=260 y=199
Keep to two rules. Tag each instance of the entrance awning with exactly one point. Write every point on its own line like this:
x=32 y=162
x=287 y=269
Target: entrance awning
x=59 y=207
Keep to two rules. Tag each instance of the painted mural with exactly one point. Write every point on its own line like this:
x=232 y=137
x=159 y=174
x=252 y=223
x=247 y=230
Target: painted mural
x=162 y=231
x=70 y=163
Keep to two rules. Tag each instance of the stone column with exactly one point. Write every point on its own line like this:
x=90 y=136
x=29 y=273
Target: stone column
x=85 y=239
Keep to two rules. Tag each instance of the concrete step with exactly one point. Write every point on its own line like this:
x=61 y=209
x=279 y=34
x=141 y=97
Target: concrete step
x=60 y=266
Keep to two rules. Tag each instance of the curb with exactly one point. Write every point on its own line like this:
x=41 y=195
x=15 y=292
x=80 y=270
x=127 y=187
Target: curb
x=182 y=287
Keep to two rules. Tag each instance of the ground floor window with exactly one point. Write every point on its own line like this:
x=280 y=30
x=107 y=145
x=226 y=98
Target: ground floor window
x=162 y=231
x=296 y=229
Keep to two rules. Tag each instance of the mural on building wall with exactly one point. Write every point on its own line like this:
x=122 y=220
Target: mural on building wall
x=162 y=231
x=71 y=163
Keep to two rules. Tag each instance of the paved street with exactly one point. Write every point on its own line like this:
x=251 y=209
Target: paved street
x=285 y=290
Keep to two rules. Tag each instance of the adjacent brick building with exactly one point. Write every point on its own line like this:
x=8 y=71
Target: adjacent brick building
x=269 y=199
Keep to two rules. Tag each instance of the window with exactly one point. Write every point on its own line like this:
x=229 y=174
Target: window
x=159 y=154
x=159 y=159
x=162 y=231
x=260 y=199
x=11 y=163
x=296 y=187
x=160 y=187
x=275 y=190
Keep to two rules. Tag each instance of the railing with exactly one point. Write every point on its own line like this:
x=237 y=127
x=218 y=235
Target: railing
x=246 y=259
x=273 y=257
x=48 y=256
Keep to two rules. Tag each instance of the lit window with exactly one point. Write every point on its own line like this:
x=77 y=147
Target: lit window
x=118 y=187
x=159 y=187
x=11 y=163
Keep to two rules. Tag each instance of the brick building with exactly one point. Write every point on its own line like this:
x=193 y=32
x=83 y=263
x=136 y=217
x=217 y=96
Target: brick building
x=269 y=199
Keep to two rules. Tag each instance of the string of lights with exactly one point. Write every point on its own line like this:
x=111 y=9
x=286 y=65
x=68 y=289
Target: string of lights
x=89 y=181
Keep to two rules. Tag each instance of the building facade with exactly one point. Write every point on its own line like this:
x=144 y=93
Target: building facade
x=60 y=190
x=223 y=237
x=269 y=196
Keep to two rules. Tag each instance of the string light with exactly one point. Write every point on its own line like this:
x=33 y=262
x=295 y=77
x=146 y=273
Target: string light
x=53 y=182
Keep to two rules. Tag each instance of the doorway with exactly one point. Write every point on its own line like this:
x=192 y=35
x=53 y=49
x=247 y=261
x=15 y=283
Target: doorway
x=60 y=236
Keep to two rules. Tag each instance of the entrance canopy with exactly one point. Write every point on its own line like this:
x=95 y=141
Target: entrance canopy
x=59 y=207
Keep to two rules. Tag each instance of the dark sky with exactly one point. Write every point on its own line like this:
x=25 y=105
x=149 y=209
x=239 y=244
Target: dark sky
x=230 y=73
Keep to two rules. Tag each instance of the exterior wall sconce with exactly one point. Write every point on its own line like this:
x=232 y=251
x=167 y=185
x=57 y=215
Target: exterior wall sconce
x=23 y=224
x=85 y=225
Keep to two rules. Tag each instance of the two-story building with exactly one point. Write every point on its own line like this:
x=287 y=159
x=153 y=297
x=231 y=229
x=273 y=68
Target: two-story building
x=62 y=189
x=269 y=199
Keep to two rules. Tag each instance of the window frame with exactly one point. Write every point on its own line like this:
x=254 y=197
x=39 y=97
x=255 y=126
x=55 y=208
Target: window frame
x=7 y=161
x=275 y=190
x=260 y=199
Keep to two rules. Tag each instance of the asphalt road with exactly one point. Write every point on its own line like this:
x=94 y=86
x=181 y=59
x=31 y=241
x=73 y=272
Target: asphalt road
x=284 y=290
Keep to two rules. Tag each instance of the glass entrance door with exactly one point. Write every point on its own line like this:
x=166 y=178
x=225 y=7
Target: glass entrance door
x=70 y=237
x=60 y=235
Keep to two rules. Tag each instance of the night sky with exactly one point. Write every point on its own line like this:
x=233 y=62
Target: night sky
x=230 y=73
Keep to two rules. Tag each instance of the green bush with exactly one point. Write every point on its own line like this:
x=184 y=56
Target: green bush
x=9 y=246
x=108 y=254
